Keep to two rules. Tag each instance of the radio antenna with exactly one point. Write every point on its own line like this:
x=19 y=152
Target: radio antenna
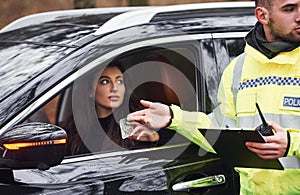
x=261 y=115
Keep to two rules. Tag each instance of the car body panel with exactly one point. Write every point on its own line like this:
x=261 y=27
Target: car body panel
x=135 y=172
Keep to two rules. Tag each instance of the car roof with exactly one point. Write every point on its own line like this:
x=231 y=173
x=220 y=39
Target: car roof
x=39 y=18
x=144 y=16
x=124 y=17
x=74 y=27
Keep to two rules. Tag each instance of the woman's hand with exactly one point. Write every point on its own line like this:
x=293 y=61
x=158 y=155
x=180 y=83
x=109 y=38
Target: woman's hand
x=275 y=146
x=142 y=133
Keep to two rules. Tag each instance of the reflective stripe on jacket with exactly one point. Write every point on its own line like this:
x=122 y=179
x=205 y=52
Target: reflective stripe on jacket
x=275 y=85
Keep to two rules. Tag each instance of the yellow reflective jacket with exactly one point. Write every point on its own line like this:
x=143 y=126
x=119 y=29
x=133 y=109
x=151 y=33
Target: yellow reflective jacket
x=275 y=85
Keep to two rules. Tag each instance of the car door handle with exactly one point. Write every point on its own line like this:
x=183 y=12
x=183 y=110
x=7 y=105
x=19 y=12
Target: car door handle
x=199 y=183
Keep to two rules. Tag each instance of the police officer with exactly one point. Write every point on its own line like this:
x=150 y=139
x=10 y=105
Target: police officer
x=268 y=73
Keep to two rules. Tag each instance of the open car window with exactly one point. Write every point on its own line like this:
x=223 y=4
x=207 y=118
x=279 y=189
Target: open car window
x=167 y=75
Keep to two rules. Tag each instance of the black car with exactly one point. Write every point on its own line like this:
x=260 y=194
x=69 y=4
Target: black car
x=173 y=54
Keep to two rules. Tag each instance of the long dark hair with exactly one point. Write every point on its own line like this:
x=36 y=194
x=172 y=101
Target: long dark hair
x=83 y=126
x=130 y=104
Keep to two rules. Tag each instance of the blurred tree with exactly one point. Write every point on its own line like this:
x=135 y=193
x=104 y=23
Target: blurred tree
x=137 y=2
x=80 y=4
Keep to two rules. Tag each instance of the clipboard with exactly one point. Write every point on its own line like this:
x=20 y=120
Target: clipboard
x=230 y=146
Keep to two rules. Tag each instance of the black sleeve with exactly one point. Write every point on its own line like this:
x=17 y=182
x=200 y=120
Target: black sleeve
x=165 y=135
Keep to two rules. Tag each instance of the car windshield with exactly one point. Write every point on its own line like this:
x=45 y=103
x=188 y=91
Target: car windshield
x=29 y=51
x=21 y=62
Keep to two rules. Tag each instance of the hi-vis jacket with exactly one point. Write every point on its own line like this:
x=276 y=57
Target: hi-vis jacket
x=272 y=83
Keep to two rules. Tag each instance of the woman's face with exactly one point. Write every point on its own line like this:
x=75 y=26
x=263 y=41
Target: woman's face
x=110 y=90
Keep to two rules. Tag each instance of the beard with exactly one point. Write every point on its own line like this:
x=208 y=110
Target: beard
x=279 y=34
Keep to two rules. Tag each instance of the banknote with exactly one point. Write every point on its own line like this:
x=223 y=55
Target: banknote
x=126 y=130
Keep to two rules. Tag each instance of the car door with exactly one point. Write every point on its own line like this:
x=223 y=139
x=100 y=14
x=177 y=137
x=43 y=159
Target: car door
x=164 y=69
x=226 y=47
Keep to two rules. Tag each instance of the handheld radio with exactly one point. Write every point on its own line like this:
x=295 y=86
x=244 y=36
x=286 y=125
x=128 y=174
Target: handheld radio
x=264 y=128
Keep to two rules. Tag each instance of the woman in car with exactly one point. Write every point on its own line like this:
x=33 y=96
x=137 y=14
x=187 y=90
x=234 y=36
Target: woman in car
x=108 y=100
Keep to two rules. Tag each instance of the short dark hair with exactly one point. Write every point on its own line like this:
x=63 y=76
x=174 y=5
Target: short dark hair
x=263 y=3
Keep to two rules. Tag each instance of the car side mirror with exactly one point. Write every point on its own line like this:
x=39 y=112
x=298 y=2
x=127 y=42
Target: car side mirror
x=32 y=146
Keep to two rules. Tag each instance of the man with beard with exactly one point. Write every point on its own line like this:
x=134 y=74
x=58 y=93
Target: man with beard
x=267 y=73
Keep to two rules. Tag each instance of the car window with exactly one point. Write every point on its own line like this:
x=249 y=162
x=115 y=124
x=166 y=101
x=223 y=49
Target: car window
x=167 y=75
x=47 y=113
x=155 y=74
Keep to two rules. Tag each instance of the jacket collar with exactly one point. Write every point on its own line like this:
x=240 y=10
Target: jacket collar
x=283 y=58
x=256 y=38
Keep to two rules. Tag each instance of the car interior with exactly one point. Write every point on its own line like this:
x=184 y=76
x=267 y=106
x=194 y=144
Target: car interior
x=172 y=79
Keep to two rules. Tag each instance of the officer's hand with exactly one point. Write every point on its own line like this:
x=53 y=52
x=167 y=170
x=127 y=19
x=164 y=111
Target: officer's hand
x=275 y=146
x=156 y=115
